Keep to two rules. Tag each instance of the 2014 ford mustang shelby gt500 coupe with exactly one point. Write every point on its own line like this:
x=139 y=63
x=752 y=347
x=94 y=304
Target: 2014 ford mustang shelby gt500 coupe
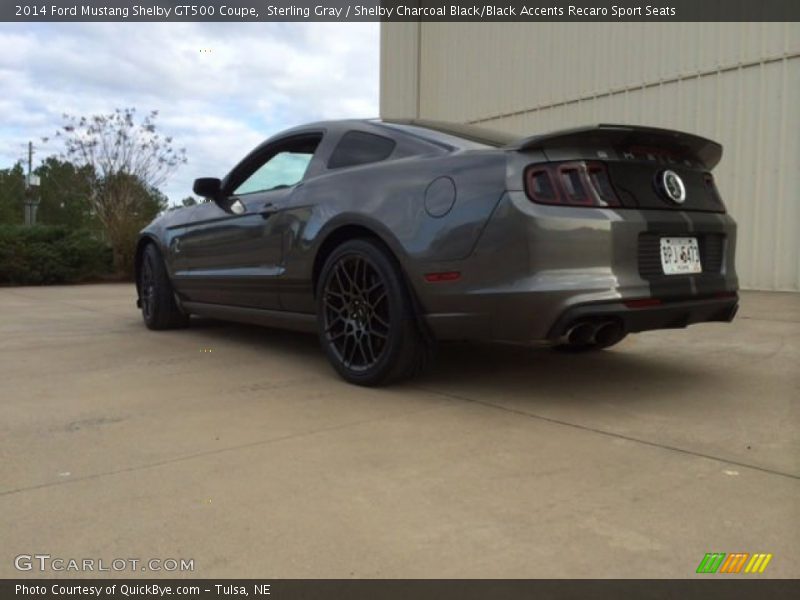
x=386 y=236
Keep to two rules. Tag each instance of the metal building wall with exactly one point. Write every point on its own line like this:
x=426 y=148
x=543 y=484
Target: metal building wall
x=737 y=83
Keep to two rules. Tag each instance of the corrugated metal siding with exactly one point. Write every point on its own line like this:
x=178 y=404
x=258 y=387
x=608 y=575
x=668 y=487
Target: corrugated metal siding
x=399 y=76
x=737 y=83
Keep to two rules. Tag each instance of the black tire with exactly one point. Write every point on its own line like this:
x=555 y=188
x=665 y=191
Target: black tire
x=157 y=298
x=366 y=319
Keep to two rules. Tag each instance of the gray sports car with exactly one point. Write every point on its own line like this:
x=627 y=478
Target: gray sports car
x=386 y=236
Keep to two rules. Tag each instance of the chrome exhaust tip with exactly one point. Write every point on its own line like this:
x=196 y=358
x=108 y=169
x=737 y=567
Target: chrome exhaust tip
x=608 y=333
x=582 y=333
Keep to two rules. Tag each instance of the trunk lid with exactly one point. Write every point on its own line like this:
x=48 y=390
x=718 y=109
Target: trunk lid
x=647 y=167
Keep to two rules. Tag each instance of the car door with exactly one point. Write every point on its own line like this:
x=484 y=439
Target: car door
x=231 y=252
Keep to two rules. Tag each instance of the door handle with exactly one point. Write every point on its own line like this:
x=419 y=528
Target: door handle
x=267 y=210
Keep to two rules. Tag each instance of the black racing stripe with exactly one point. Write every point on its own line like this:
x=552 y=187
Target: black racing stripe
x=714 y=246
x=661 y=286
x=712 y=256
x=671 y=286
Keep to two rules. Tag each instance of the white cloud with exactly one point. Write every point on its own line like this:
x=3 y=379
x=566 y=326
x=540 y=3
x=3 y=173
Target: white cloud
x=256 y=80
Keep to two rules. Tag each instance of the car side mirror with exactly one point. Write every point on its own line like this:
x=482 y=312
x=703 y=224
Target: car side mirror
x=208 y=187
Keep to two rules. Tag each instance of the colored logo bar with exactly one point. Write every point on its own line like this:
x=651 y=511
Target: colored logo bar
x=733 y=563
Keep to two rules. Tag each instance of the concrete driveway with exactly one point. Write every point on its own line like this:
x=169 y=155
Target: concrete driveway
x=239 y=448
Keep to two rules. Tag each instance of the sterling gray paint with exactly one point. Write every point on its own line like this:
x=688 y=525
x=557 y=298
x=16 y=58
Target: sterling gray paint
x=522 y=265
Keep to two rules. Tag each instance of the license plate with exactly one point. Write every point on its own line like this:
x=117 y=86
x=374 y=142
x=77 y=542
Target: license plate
x=680 y=256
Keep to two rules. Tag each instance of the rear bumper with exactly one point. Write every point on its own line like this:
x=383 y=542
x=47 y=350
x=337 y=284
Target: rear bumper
x=512 y=327
x=675 y=314
x=536 y=269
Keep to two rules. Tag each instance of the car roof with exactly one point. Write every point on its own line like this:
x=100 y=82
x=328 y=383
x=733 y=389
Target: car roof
x=450 y=134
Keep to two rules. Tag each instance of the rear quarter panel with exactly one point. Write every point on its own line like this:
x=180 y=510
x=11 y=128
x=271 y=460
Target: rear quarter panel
x=389 y=199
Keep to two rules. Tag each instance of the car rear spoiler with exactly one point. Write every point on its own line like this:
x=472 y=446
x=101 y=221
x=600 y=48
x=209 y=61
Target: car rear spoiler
x=628 y=139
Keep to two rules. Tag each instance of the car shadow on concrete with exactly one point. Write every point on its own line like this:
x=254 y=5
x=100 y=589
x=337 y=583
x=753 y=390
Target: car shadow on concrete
x=303 y=345
x=626 y=372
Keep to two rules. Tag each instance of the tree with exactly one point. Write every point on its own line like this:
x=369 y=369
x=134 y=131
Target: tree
x=189 y=201
x=64 y=195
x=124 y=163
x=12 y=195
x=142 y=205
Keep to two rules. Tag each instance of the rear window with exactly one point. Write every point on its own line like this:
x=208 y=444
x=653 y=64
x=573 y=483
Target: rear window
x=359 y=148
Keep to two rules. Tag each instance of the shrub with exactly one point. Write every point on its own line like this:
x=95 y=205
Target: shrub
x=51 y=254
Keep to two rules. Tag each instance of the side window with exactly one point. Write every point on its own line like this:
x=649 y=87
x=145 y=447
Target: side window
x=358 y=148
x=283 y=168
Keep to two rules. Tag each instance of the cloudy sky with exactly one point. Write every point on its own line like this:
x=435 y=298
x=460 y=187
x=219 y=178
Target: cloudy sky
x=251 y=81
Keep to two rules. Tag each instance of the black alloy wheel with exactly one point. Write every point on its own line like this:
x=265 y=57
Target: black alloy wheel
x=356 y=313
x=367 y=325
x=147 y=288
x=156 y=296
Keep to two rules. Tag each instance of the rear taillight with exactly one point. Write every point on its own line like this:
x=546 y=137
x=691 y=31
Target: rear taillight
x=581 y=183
